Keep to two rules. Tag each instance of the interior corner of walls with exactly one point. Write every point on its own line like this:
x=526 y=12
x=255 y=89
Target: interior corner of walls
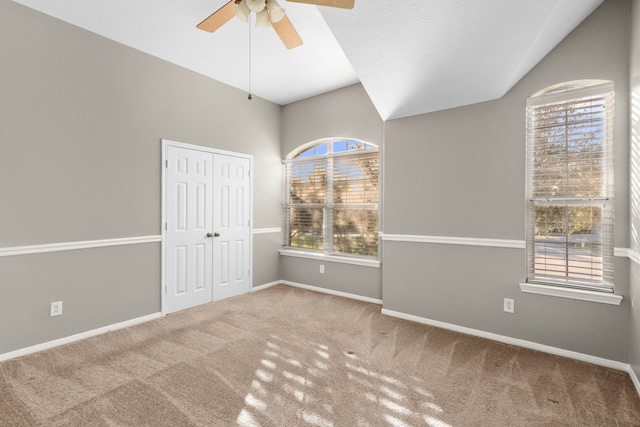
x=331 y=292
x=588 y=358
x=266 y=286
x=634 y=378
x=338 y=277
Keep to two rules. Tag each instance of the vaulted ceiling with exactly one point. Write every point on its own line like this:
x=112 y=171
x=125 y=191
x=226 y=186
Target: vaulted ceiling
x=411 y=56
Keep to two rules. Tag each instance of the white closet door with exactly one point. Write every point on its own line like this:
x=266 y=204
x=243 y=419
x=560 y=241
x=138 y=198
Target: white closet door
x=231 y=246
x=189 y=216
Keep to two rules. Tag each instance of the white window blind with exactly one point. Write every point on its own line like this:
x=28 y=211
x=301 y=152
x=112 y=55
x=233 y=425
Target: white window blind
x=355 y=203
x=570 y=186
x=331 y=198
x=306 y=184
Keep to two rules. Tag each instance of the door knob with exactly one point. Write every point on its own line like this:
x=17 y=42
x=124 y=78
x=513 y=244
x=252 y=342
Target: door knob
x=216 y=234
x=209 y=235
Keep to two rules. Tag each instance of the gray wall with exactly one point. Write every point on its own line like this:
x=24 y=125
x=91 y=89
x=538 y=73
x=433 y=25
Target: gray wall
x=81 y=119
x=348 y=113
x=467 y=179
x=634 y=291
x=81 y=123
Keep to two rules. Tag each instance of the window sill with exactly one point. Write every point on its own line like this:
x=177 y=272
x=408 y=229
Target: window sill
x=333 y=258
x=579 y=294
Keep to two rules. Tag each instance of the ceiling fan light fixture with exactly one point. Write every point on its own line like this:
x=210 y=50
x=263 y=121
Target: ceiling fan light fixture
x=276 y=12
x=262 y=19
x=256 y=6
x=242 y=11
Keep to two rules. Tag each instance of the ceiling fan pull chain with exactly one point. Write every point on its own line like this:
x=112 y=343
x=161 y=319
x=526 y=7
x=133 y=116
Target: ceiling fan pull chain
x=249 y=61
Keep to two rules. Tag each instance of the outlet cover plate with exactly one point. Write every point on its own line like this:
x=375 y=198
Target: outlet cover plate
x=509 y=305
x=56 y=309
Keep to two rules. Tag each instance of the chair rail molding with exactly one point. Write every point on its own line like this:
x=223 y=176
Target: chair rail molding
x=496 y=243
x=446 y=240
x=70 y=246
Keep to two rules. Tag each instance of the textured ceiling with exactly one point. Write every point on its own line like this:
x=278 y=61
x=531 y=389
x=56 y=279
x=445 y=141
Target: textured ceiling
x=431 y=55
x=167 y=29
x=412 y=56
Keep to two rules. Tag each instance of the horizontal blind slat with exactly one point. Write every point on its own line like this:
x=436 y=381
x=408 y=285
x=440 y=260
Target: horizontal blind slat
x=570 y=211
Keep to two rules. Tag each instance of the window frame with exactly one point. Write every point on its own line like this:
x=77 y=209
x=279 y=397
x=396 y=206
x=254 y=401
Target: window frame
x=327 y=251
x=591 y=290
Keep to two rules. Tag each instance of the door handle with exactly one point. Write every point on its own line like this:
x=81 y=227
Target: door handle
x=216 y=234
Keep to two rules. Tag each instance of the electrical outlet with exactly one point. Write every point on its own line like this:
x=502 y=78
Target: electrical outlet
x=56 y=309
x=321 y=268
x=509 y=305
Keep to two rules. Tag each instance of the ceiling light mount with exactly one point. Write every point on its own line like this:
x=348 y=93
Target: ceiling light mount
x=269 y=13
x=266 y=11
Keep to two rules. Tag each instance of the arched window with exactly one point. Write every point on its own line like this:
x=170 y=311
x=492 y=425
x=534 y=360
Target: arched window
x=570 y=185
x=331 y=197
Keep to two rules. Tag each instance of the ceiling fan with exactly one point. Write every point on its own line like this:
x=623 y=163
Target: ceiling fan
x=268 y=14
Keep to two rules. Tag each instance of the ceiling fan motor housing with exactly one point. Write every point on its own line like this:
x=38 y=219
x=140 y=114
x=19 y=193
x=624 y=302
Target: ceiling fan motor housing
x=268 y=14
x=256 y=6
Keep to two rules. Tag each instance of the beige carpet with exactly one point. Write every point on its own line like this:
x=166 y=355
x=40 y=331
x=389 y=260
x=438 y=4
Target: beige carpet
x=290 y=357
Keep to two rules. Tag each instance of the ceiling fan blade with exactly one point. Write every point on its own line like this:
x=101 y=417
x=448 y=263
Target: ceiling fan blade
x=287 y=33
x=345 y=4
x=218 y=18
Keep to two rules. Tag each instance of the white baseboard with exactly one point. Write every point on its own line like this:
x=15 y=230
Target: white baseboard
x=462 y=329
x=514 y=341
x=634 y=379
x=77 y=337
x=331 y=292
x=317 y=289
x=265 y=286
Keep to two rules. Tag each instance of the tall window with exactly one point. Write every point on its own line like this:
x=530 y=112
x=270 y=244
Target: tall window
x=570 y=185
x=331 y=197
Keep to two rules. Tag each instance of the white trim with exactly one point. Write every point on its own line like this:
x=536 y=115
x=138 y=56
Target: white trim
x=496 y=243
x=267 y=230
x=251 y=219
x=634 y=378
x=613 y=364
x=265 y=286
x=165 y=143
x=163 y=225
x=77 y=337
x=629 y=253
x=69 y=246
x=330 y=141
x=621 y=252
x=467 y=241
x=579 y=294
x=592 y=88
x=331 y=258
x=331 y=292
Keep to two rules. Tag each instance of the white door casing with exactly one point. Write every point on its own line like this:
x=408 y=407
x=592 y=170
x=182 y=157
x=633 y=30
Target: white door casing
x=231 y=220
x=189 y=214
x=207 y=238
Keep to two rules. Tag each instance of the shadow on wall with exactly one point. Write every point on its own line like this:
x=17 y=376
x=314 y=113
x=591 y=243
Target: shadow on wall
x=634 y=202
x=635 y=171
